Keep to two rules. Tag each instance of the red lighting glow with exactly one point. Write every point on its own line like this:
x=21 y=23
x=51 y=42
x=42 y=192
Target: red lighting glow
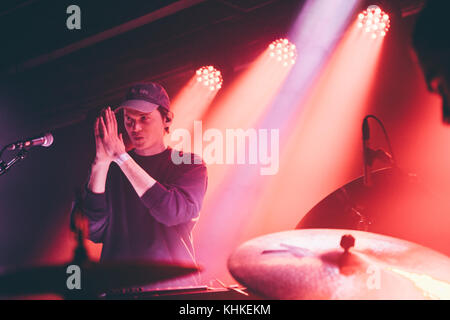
x=210 y=77
x=283 y=51
x=374 y=21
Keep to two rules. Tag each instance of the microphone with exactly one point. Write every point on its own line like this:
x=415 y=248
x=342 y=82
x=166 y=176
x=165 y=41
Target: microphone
x=44 y=141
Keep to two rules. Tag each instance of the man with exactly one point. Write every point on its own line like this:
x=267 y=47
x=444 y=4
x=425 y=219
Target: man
x=431 y=40
x=140 y=204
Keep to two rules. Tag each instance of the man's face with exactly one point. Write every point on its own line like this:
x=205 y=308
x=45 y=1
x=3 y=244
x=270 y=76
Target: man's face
x=436 y=67
x=146 y=130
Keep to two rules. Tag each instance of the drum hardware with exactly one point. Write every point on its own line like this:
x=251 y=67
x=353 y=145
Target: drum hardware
x=339 y=264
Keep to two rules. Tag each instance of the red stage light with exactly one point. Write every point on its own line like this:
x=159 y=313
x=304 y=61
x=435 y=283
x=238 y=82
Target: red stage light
x=374 y=21
x=210 y=77
x=283 y=51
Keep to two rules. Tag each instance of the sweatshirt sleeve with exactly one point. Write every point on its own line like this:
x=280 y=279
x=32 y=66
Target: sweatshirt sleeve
x=95 y=208
x=181 y=200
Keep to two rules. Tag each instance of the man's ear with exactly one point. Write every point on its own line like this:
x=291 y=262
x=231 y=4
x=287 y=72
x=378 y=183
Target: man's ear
x=168 y=119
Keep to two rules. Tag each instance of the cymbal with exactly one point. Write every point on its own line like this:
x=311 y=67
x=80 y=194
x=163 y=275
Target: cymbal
x=313 y=264
x=95 y=278
x=397 y=204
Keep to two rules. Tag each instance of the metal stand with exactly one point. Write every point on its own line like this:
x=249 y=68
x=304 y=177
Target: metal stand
x=4 y=167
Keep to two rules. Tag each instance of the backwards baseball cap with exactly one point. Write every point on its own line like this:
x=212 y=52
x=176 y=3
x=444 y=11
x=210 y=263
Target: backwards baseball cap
x=146 y=97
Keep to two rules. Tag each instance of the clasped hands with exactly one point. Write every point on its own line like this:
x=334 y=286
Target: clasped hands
x=109 y=143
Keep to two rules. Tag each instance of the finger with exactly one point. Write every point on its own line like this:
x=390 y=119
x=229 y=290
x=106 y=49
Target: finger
x=96 y=132
x=116 y=126
x=113 y=120
x=103 y=131
x=107 y=121
x=102 y=113
x=112 y=127
x=96 y=129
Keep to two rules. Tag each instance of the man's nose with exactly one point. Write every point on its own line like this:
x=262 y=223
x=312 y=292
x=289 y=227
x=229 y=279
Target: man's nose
x=136 y=126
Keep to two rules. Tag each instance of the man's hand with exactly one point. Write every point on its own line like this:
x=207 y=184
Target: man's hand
x=109 y=144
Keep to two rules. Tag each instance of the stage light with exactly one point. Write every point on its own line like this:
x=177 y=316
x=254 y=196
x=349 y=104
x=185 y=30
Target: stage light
x=374 y=21
x=283 y=51
x=210 y=77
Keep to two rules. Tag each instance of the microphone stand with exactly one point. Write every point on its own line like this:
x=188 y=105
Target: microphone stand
x=80 y=255
x=369 y=155
x=366 y=153
x=4 y=167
